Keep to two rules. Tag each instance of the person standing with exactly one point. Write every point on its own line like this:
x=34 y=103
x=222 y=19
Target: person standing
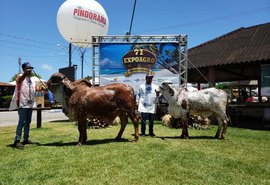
x=51 y=98
x=23 y=99
x=147 y=104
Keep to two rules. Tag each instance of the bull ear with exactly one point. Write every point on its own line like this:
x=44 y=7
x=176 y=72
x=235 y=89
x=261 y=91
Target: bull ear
x=82 y=81
x=67 y=88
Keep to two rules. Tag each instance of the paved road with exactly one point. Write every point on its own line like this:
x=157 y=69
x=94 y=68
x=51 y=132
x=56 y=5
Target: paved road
x=9 y=118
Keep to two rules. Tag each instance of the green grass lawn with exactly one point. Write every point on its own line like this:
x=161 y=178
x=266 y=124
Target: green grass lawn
x=242 y=158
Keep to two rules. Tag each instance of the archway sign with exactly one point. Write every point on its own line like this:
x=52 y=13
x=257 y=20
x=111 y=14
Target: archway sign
x=79 y=20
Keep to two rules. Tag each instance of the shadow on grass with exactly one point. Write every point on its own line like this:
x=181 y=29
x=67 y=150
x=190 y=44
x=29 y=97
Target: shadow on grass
x=64 y=120
x=12 y=145
x=190 y=137
x=90 y=142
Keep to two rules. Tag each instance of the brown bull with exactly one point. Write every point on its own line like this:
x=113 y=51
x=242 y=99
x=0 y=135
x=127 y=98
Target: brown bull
x=81 y=101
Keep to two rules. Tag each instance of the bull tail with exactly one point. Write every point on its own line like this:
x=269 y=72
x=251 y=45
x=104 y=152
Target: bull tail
x=228 y=118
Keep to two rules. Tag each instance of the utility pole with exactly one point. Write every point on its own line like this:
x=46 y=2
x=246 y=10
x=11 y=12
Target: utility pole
x=19 y=62
x=69 y=54
x=82 y=57
x=131 y=22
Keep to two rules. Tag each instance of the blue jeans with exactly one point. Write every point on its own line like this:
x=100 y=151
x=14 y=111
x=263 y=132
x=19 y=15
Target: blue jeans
x=25 y=117
x=150 y=117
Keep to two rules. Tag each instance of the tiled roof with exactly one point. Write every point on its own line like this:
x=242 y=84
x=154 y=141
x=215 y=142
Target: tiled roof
x=239 y=46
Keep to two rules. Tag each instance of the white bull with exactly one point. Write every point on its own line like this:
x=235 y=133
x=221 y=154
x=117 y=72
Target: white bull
x=204 y=103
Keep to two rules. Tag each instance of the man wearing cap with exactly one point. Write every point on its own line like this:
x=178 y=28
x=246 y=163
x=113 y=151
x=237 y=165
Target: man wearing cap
x=147 y=104
x=23 y=99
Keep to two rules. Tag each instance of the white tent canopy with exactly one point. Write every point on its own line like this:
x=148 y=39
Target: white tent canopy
x=33 y=78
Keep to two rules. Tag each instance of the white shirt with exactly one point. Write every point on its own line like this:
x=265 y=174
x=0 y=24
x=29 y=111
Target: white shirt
x=147 y=98
x=27 y=94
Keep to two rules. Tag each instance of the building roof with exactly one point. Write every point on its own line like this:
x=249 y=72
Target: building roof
x=3 y=84
x=243 y=45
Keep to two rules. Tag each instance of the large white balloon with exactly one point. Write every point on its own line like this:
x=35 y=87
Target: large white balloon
x=79 y=20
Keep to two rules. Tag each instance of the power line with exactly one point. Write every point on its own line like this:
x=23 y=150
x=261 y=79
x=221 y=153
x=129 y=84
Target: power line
x=28 y=45
x=32 y=40
x=25 y=56
x=25 y=49
x=21 y=44
x=209 y=20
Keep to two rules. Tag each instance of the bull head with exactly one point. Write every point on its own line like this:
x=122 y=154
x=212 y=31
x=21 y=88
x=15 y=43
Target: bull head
x=61 y=87
x=58 y=80
x=166 y=89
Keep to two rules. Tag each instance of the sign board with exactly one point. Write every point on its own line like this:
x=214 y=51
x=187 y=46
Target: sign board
x=130 y=62
x=69 y=72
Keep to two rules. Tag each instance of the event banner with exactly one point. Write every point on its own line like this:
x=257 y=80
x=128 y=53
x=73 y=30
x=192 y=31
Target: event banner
x=129 y=63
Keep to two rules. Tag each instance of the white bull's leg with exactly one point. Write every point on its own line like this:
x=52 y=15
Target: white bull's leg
x=222 y=128
x=184 y=134
x=185 y=117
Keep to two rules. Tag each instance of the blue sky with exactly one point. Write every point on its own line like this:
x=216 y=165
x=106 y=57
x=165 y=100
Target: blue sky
x=28 y=28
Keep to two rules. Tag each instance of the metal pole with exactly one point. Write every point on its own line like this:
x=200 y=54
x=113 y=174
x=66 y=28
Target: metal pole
x=19 y=61
x=132 y=17
x=82 y=56
x=69 y=54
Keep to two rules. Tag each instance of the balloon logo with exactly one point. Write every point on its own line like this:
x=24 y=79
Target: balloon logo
x=79 y=20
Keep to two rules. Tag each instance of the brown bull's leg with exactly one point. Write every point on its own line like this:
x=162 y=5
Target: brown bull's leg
x=124 y=121
x=135 y=121
x=82 y=132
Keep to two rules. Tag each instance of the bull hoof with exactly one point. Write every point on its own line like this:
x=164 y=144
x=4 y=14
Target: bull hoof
x=222 y=137
x=117 y=138
x=219 y=137
x=135 y=140
x=184 y=137
x=79 y=144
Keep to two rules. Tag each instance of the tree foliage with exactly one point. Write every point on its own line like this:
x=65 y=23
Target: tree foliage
x=88 y=77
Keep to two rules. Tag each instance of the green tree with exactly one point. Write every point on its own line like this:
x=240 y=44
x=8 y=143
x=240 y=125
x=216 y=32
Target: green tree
x=223 y=86
x=88 y=77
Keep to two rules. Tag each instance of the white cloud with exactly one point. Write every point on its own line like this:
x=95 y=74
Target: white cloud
x=46 y=67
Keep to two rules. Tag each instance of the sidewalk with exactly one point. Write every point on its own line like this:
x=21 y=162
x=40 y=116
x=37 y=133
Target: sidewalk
x=10 y=118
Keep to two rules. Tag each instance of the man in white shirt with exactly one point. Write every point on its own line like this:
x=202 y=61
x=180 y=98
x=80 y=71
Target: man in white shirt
x=23 y=99
x=147 y=104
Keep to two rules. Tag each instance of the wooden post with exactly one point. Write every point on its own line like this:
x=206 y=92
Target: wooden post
x=212 y=77
x=39 y=116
